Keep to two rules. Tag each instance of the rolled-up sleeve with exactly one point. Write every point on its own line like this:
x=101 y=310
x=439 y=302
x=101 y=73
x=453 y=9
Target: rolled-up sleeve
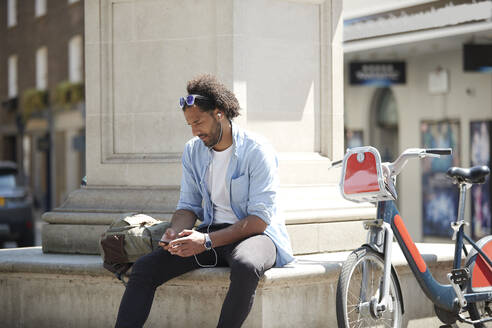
x=190 y=197
x=264 y=183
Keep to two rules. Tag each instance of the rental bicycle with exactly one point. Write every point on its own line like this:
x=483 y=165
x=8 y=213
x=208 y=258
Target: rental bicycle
x=368 y=291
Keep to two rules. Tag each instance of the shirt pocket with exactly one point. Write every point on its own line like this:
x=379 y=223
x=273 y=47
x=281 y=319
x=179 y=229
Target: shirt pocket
x=240 y=189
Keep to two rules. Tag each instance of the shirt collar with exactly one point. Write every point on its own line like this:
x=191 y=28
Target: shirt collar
x=237 y=138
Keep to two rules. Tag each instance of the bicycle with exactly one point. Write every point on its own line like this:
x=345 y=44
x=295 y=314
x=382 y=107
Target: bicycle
x=368 y=291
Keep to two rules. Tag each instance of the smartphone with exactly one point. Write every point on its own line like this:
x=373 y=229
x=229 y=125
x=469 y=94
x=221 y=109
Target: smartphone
x=165 y=242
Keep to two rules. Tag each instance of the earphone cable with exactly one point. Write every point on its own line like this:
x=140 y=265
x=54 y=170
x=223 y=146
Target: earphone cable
x=218 y=140
x=215 y=253
x=211 y=220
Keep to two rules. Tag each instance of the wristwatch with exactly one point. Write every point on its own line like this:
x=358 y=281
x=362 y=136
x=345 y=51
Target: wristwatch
x=208 y=242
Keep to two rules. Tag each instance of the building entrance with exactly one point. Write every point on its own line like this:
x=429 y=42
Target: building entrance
x=384 y=124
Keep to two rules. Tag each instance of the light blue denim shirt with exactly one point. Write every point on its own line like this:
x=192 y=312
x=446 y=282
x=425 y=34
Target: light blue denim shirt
x=252 y=182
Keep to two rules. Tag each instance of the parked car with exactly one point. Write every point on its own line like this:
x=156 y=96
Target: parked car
x=16 y=207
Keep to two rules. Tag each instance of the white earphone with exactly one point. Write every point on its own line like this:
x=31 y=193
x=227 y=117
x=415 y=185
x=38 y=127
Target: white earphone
x=219 y=115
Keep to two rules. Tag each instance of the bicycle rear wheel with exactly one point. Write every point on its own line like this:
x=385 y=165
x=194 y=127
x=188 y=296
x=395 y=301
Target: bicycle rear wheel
x=476 y=312
x=360 y=282
x=479 y=281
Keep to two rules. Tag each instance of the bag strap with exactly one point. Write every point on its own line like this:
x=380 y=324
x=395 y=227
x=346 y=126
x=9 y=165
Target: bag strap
x=119 y=270
x=121 y=277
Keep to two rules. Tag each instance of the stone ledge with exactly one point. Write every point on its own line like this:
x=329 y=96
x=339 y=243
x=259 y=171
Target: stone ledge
x=310 y=211
x=92 y=218
x=125 y=199
x=308 y=236
x=33 y=260
x=60 y=290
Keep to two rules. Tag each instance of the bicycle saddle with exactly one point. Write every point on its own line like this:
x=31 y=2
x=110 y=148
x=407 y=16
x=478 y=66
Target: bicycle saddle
x=476 y=174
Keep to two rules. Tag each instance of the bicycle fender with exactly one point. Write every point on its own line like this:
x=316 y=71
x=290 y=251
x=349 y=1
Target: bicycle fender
x=481 y=275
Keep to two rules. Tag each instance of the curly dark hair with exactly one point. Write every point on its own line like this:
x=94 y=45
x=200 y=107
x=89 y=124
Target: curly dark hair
x=222 y=98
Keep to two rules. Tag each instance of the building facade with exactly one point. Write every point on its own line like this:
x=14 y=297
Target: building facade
x=417 y=74
x=42 y=119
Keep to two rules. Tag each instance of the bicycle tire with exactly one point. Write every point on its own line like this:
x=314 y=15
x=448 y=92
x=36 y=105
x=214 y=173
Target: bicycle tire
x=475 y=314
x=477 y=310
x=349 y=312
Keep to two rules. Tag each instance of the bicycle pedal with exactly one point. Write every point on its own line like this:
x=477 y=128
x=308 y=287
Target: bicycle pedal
x=460 y=276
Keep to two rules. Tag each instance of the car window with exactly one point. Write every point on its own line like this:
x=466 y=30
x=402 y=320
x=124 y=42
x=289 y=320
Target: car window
x=7 y=181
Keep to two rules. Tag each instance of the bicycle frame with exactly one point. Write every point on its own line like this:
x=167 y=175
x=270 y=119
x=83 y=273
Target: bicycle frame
x=443 y=296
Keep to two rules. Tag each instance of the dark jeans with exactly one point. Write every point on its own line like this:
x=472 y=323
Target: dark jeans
x=248 y=260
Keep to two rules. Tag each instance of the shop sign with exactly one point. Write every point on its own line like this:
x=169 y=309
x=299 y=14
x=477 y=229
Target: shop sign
x=477 y=58
x=378 y=73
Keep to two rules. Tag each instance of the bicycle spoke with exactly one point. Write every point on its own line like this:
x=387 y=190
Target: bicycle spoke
x=372 y=280
x=359 y=321
x=357 y=298
x=349 y=312
x=364 y=283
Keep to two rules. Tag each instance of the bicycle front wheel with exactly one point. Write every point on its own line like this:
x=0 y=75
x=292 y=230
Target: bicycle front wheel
x=359 y=288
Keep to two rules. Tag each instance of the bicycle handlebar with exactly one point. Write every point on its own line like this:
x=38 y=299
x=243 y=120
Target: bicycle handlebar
x=439 y=151
x=398 y=165
x=337 y=163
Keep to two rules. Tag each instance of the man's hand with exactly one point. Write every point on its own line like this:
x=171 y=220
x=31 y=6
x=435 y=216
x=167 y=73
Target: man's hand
x=190 y=243
x=182 y=219
x=167 y=237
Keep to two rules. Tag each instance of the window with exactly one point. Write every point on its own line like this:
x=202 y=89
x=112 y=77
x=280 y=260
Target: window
x=387 y=114
x=7 y=180
x=75 y=59
x=72 y=1
x=11 y=13
x=12 y=90
x=40 y=8
x=42 y=68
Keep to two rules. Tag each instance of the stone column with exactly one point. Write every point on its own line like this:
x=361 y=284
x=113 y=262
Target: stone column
x=283 y=60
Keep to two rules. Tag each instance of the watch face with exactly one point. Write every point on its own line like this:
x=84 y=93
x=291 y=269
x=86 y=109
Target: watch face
x=208 y=242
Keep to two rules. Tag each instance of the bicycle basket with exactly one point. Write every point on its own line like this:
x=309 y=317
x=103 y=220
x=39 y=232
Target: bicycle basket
x=362 y=176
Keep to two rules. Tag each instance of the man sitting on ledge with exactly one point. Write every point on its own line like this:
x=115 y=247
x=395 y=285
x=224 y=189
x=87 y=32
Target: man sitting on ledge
x=230 y=183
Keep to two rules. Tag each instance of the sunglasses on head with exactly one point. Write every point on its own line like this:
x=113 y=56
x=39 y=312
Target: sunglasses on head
x=189 y=100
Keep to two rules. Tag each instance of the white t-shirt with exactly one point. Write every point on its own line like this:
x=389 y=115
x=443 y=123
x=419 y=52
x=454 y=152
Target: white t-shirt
x=216 y=180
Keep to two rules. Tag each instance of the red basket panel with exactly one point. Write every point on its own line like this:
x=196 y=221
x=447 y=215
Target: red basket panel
x=361 y=177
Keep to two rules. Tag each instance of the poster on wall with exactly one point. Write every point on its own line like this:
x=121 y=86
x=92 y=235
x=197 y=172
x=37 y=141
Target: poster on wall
x=480 y=194
x=439 y=195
